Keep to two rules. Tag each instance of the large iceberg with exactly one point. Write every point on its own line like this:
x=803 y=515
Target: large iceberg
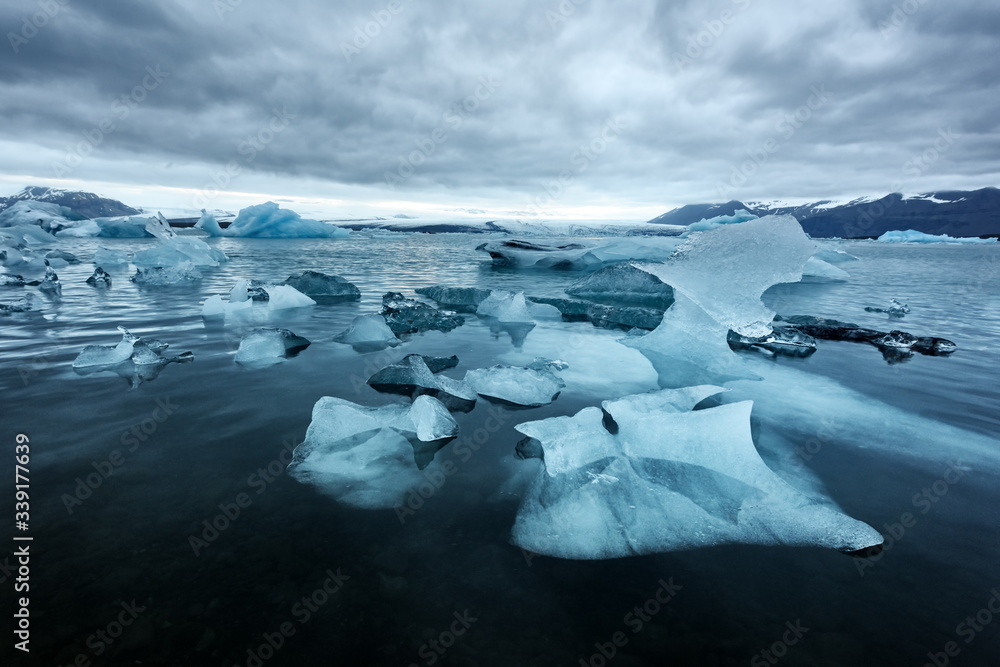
x=913 y=236
x=367 y=457
x=705 y=224
x=647 y=474
x=269 y=221
x=50 y=217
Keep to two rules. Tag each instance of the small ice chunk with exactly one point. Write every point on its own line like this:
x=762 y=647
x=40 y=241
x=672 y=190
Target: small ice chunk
x=648 y=475
x=895 y=309
x=368 y=332
x=511 y=307
x=51 y=282
x=411 y=316
x=26 y=304
x=263 y=347
x=624 y=282
x=107 y=355
x=513 y=384
x=67 y=257
x=242 y=303
x=183 y=273
x=134 y=359
x=464 y=299
x=316 y=284
x=411 y=376
x=431 y=420
x=11 y=280
x=100 y=278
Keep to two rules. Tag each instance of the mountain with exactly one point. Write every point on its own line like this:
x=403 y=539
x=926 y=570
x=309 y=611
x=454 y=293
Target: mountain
x=83 y=204
x=956 y=213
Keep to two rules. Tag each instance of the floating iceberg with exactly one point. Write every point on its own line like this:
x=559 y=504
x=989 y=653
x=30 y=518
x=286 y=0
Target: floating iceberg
x=781 y=341
x=913 y=236
x=368 y=333
x=529 y=387
x=100 y=278
x=265 y=347
x=647 y=474
x=817 y=268
x=832 y=256
x=242 y=303
x=62 y=255
x=133 y=358
x=320 y=285
x=411 y=316
x=11 y=280
x=159 y=276
x=508 y=306
x=173 y=249
x=368 y=457
x=26 y=212
x=269 y=221
x=413 y=376
x=624 y=282
x=577 y=257
x=464 y=299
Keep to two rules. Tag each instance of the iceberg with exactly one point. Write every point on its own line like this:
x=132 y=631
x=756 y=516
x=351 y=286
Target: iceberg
x=624 y=317
x=529 y=387
x=367 y=457
x=411 y=316
x=781 y=341
x=577 y=257
x=648 y=474
x=62 y=255
x=895 y=345
x=46 y=215
x=412 y=376
x=269 y=221
x=726 y=270
x=508 y=306
x=706 y=224
x=688 y=347
x=320 y=285
x=100 y=278
x=913 y=236
x=368 y=333
x=173 y=249
x=463 y=299
x=11 y=280
x=265 y=347
x=623 y=282
x=159 y=276
x=246 y=300
x=817 y=268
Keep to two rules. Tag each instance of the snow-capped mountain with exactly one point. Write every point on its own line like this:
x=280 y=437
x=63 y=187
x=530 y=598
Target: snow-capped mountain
x=83 y=204
x=956 y=213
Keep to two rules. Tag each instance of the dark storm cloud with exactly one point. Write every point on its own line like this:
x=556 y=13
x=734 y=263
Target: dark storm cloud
x=501 y=97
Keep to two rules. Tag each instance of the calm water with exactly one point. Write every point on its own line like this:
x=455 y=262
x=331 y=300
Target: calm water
x=406 y=581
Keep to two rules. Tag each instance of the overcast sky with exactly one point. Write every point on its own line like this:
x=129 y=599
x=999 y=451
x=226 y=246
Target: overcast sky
x=379 y=107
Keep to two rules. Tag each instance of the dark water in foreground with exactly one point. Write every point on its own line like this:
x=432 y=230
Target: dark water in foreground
x=442 y=585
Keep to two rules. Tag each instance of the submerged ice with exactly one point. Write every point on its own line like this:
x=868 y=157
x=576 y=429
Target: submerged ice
x=648 y=474
x=133 y=358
